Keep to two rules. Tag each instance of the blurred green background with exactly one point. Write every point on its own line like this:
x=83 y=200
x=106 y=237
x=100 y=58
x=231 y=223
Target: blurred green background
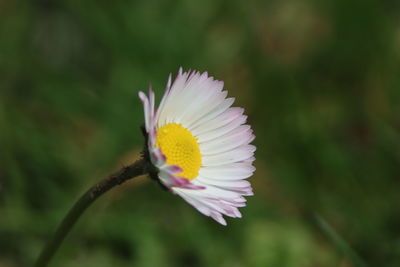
x=319 y=80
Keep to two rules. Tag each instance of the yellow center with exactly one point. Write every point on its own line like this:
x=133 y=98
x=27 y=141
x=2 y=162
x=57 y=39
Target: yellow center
x=180 y=148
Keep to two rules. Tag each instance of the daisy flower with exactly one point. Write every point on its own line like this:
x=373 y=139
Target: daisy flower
x=199 y=144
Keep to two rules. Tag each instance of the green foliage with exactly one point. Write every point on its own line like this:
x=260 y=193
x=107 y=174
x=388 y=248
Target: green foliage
x=319 y=80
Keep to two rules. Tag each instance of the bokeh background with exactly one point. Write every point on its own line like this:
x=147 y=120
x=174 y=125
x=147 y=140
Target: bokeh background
x=319 y=80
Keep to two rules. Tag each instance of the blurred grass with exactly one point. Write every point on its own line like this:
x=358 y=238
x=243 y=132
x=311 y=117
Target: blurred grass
x=319 y=81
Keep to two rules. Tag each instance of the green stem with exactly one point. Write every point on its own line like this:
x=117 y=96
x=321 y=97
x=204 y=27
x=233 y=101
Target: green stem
x=138 y=168
x=339 y=242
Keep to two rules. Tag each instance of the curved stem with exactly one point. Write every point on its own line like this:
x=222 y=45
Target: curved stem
x=138 y=168
x=339 y=242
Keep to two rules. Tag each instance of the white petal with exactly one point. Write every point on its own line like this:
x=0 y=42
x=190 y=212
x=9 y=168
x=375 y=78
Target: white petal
x=168 y=105
x=192 y=201
x=222 y=130
x=215 y=206
x=224 y=105
x=241 y=186
x=235 y=171
x=226 y=183
x=249 y=160
x=219 y=121
x=187 y=90
x=218 y=217
x=146 y=108
x=164 y=99
x=214 y=192
x=236 y=155
x=240 y=136
x=202 y=104
x=203 y=94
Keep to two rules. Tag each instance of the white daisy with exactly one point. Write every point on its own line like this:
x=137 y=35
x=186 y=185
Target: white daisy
x=199 y=144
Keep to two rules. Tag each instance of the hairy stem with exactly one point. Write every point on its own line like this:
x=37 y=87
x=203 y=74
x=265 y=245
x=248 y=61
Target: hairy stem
x=138 y=168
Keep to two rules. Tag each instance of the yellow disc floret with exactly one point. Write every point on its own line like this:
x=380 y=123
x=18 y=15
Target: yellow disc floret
x=180 y=148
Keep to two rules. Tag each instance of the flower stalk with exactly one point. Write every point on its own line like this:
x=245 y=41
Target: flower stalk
x=140 y=167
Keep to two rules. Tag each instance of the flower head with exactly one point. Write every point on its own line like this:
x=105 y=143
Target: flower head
x=199 y=144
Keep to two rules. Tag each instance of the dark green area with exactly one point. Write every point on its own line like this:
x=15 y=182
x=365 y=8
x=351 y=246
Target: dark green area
x=319 y=80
